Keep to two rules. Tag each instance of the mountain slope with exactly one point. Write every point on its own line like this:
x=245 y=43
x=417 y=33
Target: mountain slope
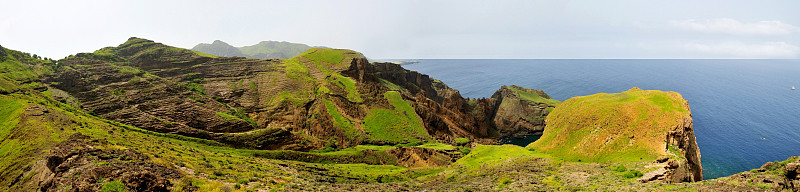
x=262 y=50
x=219 y=48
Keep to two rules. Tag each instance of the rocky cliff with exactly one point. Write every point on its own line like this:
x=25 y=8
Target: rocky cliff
x=632 y=126
x=521 y=111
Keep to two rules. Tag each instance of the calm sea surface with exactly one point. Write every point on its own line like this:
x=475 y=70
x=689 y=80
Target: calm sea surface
x=744 y=111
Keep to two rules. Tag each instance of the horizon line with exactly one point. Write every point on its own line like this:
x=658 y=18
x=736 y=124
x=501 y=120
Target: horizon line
x=598 y=58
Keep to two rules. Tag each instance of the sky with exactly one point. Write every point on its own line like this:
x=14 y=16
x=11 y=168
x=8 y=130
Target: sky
x=421 y=29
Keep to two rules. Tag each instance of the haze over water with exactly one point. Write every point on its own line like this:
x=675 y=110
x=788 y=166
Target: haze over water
x=744 y=111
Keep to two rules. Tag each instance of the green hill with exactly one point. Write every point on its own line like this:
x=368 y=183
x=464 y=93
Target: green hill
x=262 y=50
x=633 y=126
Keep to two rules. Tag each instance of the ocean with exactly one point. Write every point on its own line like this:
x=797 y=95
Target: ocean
x=745 y=112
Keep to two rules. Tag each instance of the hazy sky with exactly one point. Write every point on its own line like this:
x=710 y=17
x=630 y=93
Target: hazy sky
x=420 y=29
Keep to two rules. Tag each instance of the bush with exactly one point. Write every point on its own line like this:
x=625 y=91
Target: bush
x=632 y=174
x=620 y=168
x=113 y=186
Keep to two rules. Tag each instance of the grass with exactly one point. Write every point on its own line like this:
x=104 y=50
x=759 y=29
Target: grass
x=295 y=69
x=9 y=110
x=440 y=146
x=319 y=55
x=533 y=96
x=620 y=127
x=494 y=155
x=113 y=186
x=226 y=116
x=340 y=121
x=195 y=87
x=346 y=84
x=390 y=85
x=462 y=141
x=400 y=125
x=297 y=99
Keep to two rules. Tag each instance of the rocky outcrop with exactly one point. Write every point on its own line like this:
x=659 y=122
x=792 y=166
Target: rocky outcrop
x=685 y=166
x=772 y=176
x=521 y=111
x=85 y=164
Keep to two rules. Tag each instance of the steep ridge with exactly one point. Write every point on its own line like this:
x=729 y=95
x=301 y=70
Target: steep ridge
x=632 y=126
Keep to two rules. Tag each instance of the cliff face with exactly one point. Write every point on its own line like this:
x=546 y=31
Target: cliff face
x=632 y=126
x=521 y=111
x=321 y=98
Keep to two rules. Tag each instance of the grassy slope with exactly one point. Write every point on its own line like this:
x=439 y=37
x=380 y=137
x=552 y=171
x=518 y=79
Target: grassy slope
x=619 y=127
x=399 y=125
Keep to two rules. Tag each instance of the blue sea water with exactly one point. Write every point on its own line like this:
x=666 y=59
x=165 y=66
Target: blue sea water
x=745 y=113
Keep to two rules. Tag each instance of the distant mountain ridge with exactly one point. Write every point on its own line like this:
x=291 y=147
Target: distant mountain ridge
x=262 y=50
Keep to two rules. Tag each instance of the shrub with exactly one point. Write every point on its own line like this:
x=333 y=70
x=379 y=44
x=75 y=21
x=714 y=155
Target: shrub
x=113 y=186
x=620 y=168
x=632 y=174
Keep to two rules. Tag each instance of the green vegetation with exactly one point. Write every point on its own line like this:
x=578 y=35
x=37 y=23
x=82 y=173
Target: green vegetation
x=113 y=186
x=318 y=55
x=401 y=125
x=240 y=113
x=295 y=69
x=262 y=50
x=390 y=85
x=195 y=87
x=620 y=127
x=533 y=96
x=9 y=110
x=348 y=85
x=340 y=121
x=226 y=116
x=440 y=146
x=462 y=141
x=494 y=155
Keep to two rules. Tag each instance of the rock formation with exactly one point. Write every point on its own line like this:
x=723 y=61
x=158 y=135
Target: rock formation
x=521 y=111
x=82 y=164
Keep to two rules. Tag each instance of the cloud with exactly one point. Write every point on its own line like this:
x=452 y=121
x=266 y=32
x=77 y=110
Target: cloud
x=732 y=26
x=743 y=50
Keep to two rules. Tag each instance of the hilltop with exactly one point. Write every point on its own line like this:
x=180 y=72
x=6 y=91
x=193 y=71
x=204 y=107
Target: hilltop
x=262 y=50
